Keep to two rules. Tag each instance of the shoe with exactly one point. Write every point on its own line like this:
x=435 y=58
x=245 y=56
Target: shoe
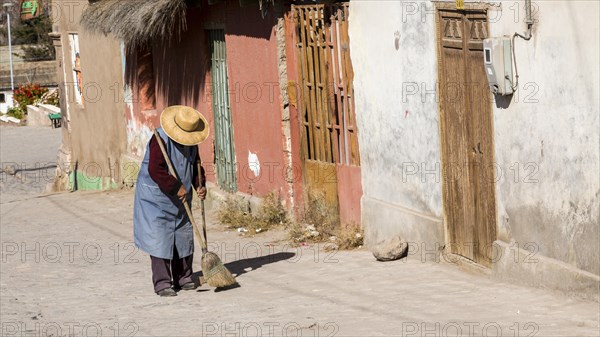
x=168 y=292
x=189 y=286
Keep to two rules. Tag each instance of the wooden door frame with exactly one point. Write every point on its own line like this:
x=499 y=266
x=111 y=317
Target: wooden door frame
x=451 y=6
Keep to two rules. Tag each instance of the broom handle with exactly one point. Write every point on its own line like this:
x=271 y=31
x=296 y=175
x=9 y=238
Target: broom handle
x=202 y=203
x=185 y=204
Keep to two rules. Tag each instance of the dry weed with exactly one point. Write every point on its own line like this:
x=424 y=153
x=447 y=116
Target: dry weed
x=320 y=223
x=235 y=213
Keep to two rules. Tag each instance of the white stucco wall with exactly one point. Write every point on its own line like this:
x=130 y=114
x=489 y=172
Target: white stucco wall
x=400 y=130
x=550 y=127
x=549 y=133
x=394 y=58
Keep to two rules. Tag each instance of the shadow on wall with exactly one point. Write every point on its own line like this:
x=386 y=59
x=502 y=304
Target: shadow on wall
x=503 y=102
x=139 y=74
x=179 y=67
x=248 y=21
x=174 y=69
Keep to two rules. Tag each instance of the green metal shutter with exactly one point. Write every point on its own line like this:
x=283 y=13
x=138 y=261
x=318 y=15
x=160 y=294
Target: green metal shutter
x=224 y=147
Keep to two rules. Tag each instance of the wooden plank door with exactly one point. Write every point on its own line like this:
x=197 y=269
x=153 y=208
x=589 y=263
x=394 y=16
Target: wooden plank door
x=224 y=145
x=466 y=134
x=329 y=140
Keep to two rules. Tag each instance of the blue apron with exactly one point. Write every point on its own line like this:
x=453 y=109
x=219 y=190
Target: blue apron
x=159 y=220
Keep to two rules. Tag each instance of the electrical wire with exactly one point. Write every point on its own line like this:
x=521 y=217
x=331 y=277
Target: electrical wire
x=529 y=21
x=526 y=38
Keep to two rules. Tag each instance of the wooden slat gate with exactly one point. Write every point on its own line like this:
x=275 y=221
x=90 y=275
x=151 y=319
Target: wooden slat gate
x=466 y=133
x=329 y=141
x=224 y=146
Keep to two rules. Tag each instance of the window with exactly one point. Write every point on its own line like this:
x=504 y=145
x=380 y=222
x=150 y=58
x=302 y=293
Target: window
x=76 y=65
x=2 y=98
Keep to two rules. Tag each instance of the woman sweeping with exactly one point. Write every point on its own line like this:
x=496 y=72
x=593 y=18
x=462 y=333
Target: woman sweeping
x=160 y=224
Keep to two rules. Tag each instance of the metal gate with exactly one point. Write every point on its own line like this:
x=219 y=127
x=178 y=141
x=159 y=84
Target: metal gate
x=224 y=148
x=329 y=142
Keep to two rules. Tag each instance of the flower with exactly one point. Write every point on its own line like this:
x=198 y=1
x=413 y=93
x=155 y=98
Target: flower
x=28 y=93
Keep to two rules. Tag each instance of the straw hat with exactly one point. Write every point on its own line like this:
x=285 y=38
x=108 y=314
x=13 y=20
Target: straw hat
x=184 y=125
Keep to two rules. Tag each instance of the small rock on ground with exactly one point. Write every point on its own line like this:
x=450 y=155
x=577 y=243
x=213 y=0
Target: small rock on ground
x=390 y=249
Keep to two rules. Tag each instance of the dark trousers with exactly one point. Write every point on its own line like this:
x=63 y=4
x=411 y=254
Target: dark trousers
x=166 y=273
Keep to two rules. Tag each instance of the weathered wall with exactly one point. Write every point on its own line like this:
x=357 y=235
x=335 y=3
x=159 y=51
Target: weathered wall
x=547 y=136
x=182 y=74
x=295 y=174
x=175 y=73
x=399 y=139
x=95 y=131
x=255 y=100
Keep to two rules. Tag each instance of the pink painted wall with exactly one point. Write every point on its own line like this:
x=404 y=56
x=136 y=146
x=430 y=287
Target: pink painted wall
x=182 y=76
x=255 y=99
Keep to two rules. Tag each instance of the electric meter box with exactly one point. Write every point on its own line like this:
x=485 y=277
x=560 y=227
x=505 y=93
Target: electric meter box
x=497 y=59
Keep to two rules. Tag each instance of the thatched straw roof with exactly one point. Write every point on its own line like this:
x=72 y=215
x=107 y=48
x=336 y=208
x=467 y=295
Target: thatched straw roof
x=136 y=22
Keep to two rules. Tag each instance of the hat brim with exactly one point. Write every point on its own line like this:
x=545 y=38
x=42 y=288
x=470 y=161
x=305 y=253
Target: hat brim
x=167 y=122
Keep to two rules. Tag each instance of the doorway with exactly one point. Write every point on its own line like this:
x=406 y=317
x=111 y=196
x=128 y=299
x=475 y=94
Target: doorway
x=328 y=132
x=224 y=145
x=466 y=129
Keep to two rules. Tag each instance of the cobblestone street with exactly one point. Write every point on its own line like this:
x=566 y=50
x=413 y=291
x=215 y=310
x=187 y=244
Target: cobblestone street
x=69 y=268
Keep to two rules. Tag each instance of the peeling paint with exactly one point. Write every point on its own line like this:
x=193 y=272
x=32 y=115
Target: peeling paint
x=253 y=163
x=138 y=133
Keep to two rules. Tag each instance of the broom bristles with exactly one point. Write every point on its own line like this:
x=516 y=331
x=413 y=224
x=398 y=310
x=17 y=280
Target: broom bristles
x=215 y=273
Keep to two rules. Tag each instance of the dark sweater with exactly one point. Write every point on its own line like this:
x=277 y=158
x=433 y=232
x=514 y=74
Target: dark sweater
x=159 y=171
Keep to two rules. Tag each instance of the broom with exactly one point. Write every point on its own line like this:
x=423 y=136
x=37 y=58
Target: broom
x=215 y=273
